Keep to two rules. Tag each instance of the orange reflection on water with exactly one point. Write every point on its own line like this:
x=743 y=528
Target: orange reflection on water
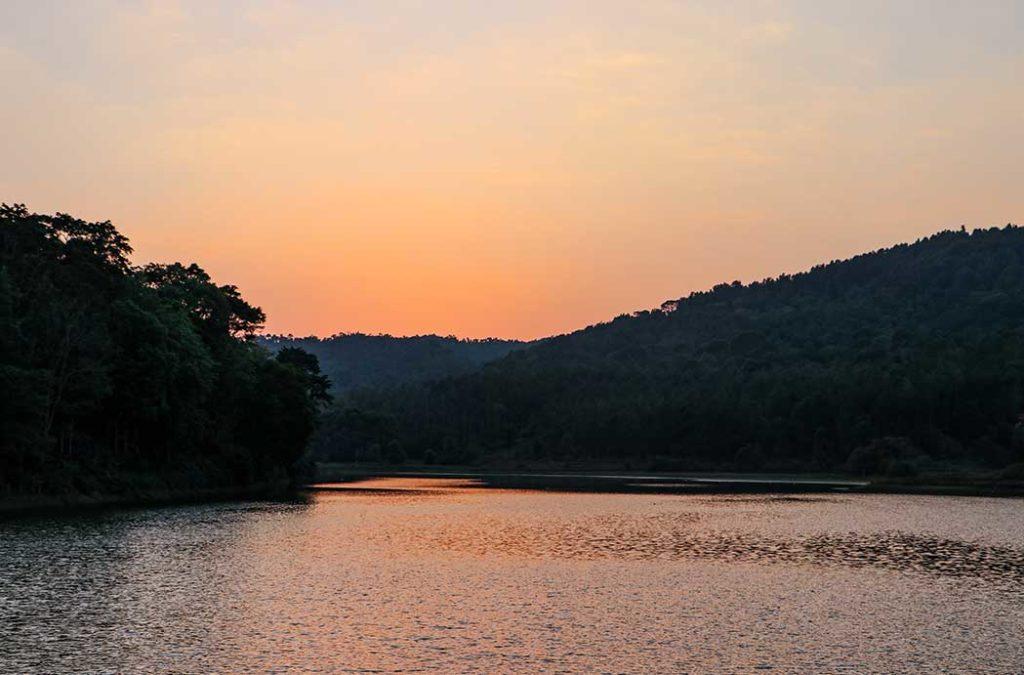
x=402 y=484
x=444 y=575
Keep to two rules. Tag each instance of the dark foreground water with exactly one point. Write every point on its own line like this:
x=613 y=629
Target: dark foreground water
x=417 y=574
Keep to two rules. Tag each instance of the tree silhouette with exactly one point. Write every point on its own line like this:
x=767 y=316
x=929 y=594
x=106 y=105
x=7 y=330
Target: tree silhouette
x=114 y=376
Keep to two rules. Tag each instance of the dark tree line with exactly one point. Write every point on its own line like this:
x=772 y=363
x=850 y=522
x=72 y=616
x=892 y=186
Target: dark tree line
x=355 y=360
x=115 y=377
x=893 y=361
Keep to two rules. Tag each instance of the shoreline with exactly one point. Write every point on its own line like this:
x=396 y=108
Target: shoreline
x=675 y=482
x=644 y=482
x=50 y=504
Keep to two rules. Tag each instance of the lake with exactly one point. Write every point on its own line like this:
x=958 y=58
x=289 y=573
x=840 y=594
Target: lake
x=421 y=574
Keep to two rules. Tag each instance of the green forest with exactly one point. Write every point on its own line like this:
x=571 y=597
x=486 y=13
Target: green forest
x=122 y=379
x=889 y=363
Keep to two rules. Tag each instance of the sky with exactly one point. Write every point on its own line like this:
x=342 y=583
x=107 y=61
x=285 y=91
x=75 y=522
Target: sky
x=513 y=169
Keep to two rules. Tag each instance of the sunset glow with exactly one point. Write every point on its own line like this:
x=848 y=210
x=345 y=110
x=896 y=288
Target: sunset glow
x=457 y=168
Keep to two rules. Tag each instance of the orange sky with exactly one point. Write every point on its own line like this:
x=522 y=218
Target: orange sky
x=449 y=167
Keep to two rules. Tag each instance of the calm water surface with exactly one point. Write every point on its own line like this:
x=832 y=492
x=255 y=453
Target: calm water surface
x=424 y=575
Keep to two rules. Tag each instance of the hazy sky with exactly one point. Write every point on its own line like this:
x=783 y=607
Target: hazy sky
x=511 y=169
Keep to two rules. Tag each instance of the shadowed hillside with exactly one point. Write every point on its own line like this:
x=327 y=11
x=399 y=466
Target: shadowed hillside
x=893 y=361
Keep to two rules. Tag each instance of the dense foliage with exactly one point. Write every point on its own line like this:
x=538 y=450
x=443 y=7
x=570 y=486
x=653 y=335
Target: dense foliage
x=355 y=360
x=884 y=363
x=114 y=377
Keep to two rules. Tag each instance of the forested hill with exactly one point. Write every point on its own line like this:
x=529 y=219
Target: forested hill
x=893 y=361
x=356 y=360
x=117 y=380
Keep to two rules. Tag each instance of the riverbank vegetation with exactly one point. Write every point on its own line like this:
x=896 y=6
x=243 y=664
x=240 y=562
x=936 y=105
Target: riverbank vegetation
x=905 y=361
x=119 y=379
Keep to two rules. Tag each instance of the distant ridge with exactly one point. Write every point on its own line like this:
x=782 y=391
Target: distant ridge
x=354 y=360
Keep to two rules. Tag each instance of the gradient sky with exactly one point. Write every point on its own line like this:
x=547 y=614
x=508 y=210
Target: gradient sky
x=511 y=169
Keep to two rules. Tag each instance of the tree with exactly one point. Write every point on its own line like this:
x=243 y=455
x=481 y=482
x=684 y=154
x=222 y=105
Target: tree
x=308 y=365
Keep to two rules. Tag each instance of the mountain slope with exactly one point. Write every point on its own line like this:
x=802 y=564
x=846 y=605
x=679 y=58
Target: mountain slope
x=886 y=362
